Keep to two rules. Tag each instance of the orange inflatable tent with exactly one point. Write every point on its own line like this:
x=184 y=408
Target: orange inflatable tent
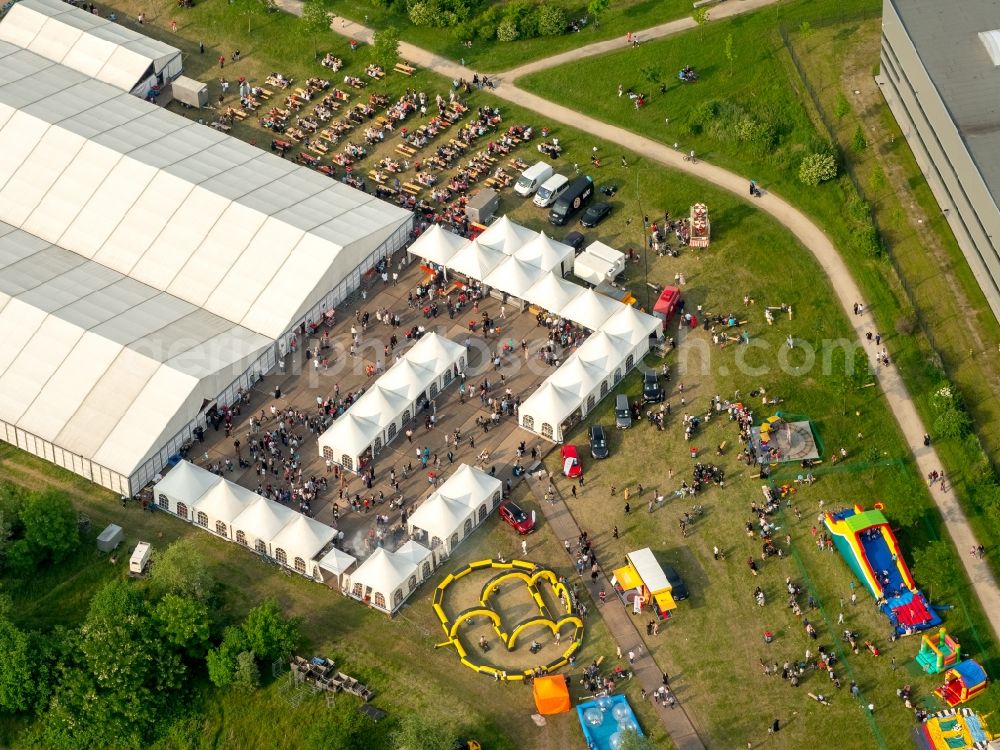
x=551 y=694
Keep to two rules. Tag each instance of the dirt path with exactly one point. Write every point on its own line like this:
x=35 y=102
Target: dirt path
x=809 y=234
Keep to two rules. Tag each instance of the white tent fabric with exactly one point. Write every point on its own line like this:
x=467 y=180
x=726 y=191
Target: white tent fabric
x=553 y=293
x=299 y=542
x=590 y=309
x=506 y=236
x=183 y=485
x=514 y=277
x=473 y=486
x=544 y=410
x=221 y=505
x=261 y=522
x=546 y=253
x=437 y=245
x=89 y=44
x=217 y=222
x=382 y=411
x=631 y=324
x=441 y=521
x=384 y=580
x=476 y=261
x=420 y=556
x=338 y=563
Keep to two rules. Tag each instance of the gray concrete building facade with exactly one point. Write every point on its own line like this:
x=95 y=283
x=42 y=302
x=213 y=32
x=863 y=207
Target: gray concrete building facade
x=940 y=75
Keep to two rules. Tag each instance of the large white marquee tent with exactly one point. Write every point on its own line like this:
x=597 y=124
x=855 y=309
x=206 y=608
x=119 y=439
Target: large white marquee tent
x=151 y=266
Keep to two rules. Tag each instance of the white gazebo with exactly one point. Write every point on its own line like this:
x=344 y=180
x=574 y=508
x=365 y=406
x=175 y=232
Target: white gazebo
x=506 y=236
x=553 y=293
x=437 y=245
x=221 y=505
x=544 y=411
x=420 y=557
x=338 y=564
x=384 y=580
x=256 y=526
x=442 y=522
x=590 y=309
x=299 y=542
x=183 y=485
x=476 y=261
x=513 y=276
x=547 y=254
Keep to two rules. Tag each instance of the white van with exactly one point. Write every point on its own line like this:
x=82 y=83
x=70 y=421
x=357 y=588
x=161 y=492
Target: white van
x=550 y=190
x=532 y=177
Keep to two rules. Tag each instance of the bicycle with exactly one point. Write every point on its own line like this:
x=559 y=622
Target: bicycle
x=691 y=158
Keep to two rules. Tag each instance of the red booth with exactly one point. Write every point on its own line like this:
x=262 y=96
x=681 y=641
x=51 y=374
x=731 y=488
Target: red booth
x=666 y=305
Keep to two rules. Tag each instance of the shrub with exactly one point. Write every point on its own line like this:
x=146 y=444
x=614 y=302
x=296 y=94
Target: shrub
x=842 y=107
x=551 y=20
x=817 y=168
x=866 y=240
x=906 y=325
x=507 y=30
x=858 y=141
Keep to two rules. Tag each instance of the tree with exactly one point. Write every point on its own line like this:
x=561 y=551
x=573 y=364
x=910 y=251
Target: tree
x=507 y=30
x=17 y=678
x=700 y=16
x=385 y=47
x=50 y=525
x=952 y=423
x=729 y=52
x=268 y=633
x=858 y=141
x=251 y=8
x=184 y=623
x=181 y=569
x=842 y=106
x=935 y=567
x=817 y=168
x=222 y=661
x=551 y=20
x=632 y=740
x=596 y=9
x=315 y=21
x=247 y=675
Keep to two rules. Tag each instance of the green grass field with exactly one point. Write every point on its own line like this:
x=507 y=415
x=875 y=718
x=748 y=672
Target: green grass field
x=712 y=646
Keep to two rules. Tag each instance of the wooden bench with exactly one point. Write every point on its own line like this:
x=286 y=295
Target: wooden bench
x=402 y=148
x=406 y=70
x=265 y=93
x=411 y=189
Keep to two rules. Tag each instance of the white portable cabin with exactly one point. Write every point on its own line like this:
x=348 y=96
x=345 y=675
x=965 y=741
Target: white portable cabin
x=140 y=559
x=598 y=263
x=189 y=91
x=110 y=538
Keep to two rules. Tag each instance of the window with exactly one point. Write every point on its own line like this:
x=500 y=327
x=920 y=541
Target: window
x=496 y=499
x=390 y=433
x=483 y=512
x=604 y=388
x=448 y=376
x=406 y=416
x=591 y=401
x=378 y=445
x=426 y=571
x=241 y=538
x=163 y=502
x=347 y=462
x=220 y=529
x=327 y=451
x=546 y=430
x=412 y=584
x=280 y=556
x=528 y=422
x=397 y=598
x=261 y=546
x=379 y=600
x=300 y=565
x=435 y=542
x=468 y=527
x=182 y=510
x=629 y=362
x=618 y=376
x=453 y=542
x=357 y=590
x=202 y=519
x=434 y=390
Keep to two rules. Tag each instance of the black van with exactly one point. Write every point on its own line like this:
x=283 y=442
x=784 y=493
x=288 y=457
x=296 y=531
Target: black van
x=577 y=195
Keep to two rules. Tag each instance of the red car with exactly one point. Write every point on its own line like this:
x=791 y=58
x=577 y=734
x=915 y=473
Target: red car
x=516 y=518
x=571 y=462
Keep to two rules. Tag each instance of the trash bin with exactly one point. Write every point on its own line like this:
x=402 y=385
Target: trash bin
x=277 y=392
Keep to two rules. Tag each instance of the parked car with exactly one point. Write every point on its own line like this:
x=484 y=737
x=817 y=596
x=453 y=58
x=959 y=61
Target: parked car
x=595 y=214
x=571 y=461
x=516 y=518
x=598 y=441
x=678 y=589
x=575 y=240
x=623 y=412
x=652 y=391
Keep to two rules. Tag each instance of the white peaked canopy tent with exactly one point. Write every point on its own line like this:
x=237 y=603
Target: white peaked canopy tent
x=506 y=236
x=547 y=254
x=604 y=351
x=437 y=245
x=442 y=522
x=544 y=411
x=420 y=556
x=221 y=505
x=89 y=44
x=299 y=542
x=338 y=564
x=439 y=355
x=474 y=487
x=590 y=309
x=384 y=580
x=183 y=485
x=476 y=261
x=348 y=439
x=513 y=276
x=261 y=522
x=553 y=293
x=634 y=326
x=580 y=377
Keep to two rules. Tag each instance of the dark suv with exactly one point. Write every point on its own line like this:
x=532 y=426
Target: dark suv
x=652 y=391
x=598 y=441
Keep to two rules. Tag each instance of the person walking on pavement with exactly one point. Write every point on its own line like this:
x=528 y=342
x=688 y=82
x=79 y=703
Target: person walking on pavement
x=524 y=546
x=631 y=657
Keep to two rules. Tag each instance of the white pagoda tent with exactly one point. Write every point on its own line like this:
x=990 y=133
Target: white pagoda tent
x=590 y=309
x=384 y=580
x=476 y=261
x=506 y=236
x=338 y=564
x=299 y=542
x=256 y=526
x=437 y=245
x=183 y=485
x=221 y=505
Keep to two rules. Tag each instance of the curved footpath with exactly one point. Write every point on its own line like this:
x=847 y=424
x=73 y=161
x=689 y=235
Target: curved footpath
x=808 y=233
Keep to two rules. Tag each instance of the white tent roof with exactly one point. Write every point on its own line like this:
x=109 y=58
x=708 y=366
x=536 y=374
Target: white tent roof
x=605 y=252
x=384 y=571
x=219 y=223
x=434 y=352
x=440 y=516
x=604 y=350
x=590 y=309
x=506 y=236
x=413 y=552
x=350 y=434
x=550 y=403
x=187 y=482
x=337 y=561
x=102 y=365
x=578 y=376
x=553 y=292
x=631 y=324
x=378 y=402
x=407 y=378
x=226 y=501
x=545 y=252
x=514 y=277
x=263 y=519
x=89 y=44
x=303 y=537
x=470 y=485
x=476 y=261
x=437 y=245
